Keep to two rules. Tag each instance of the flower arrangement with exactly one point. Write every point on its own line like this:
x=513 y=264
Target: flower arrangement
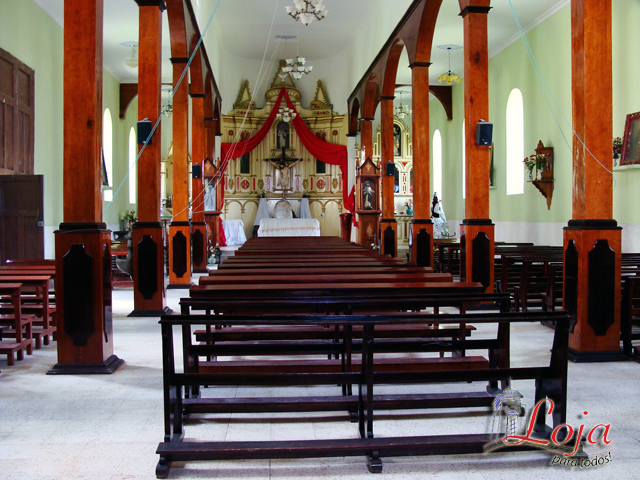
x=409 y=204
x=127 y=219
x=214 y=254
x=537 y=161
x=214 y=250
x=617 y=148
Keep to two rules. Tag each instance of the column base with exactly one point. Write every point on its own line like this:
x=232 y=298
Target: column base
x=389 y=237
x=150 y=313
x=179 y=255
x=421 y=242
x=477 y=249
x=179 y=286
x=109 y=366
x=594 y=357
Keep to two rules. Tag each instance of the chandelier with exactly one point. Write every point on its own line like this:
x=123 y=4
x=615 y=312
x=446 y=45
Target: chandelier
x=401 y=110
x=449 y=77
x=295 y=68
x=307 y=10
x=285 y=114
x=132 y=61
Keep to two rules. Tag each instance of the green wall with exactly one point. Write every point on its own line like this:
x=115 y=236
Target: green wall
x=511 y=68
x=31 y=35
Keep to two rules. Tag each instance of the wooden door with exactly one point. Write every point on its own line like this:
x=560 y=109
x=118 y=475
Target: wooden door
x=21 y=217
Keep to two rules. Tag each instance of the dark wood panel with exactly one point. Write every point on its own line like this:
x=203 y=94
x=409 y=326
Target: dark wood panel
x=77 y=278
x=602 y=270
x=179 y=259
x=389 y=242
x=481 y=259
x=423 y=240
x=147 y=270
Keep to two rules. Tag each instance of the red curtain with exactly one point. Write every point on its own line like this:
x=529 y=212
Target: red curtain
x=323 y=151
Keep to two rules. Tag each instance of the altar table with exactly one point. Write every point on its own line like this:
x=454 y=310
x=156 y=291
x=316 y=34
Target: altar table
x=289 y=227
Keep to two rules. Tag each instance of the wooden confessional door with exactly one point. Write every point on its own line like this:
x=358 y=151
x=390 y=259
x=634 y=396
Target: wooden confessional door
x=21 y=217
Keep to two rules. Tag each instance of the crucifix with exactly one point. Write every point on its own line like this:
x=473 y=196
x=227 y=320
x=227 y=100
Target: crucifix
x=283 y=164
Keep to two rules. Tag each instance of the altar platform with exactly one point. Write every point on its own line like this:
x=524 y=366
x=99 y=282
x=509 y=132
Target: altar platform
x=289 y=227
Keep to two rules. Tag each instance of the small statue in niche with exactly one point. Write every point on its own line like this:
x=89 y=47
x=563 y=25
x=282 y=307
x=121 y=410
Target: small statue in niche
x=397 y=137
x=283 y=135
x=367 y=196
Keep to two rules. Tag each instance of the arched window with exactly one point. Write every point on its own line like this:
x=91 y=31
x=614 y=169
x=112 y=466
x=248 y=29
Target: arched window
x=464 y=169
x=133 y=171
x=437 y=163
x=107 y=152
x=515 y=143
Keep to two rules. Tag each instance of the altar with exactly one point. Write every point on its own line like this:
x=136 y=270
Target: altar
x=278 y=217
x=289 y=227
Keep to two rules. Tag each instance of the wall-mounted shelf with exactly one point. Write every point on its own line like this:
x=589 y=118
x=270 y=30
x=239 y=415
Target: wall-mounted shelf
x=544 y=178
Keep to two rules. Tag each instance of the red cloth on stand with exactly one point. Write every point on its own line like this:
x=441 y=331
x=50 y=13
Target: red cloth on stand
x=222 y=239
x=323 y=151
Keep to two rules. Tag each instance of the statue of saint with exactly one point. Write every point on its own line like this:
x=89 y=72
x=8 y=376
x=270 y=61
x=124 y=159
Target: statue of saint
x=367 y=196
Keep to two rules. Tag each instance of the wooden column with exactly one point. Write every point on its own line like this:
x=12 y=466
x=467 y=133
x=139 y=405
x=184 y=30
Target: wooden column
x=149 y=297
x=180 y=229
x=388 y=224
x=83 y=243
x=592 y=240
x=477 y=232
x=421 y=226
x=366 y=137
x=198 y=226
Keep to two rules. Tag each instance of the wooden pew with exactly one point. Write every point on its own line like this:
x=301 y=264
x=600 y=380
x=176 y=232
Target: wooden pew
x=273 y=276
x=550 y=381
x=35 y=301
x=285 y=270
x=630 y=316
x=20 y=323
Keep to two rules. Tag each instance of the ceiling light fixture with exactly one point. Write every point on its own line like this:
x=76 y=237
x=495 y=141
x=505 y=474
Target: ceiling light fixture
x=401 y=110
x=285 y=114
x=132 y=61
x=295 y=68
x=307 y=10
x=449 y=77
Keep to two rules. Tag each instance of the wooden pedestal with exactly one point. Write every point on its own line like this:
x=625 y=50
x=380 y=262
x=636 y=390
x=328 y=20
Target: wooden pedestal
x=83 y=300
x=368 y=226
x=477 y=249
x=179 y=255
x=199 y=246
x=389 y=237
x=592 y=286
x=422 y=242
x=149 y=299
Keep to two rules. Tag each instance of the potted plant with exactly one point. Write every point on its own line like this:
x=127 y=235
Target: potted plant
x=617 y=149
x=409 y=205
x=127 y=219
x=214 y=254
x=535 y=161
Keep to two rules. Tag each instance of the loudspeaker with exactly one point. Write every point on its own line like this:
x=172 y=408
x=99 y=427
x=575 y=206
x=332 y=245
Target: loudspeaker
x=196 y=170
x=484 y=133
x=144 y=130
x=391 y=169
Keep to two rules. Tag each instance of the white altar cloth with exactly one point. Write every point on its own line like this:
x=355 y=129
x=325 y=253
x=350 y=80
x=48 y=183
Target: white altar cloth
x=266 y=208
x=234 y=232
x=289 y=227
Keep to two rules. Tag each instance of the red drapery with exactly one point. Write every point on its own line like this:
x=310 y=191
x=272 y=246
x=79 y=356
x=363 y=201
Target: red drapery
x=323 y=151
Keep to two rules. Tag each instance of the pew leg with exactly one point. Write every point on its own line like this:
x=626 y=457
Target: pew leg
x=162 y=468
x=374 y=462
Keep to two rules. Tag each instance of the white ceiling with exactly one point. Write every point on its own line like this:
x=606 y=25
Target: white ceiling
x=244 y=26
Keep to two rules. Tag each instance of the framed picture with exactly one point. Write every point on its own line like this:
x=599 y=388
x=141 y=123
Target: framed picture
x=631 y=141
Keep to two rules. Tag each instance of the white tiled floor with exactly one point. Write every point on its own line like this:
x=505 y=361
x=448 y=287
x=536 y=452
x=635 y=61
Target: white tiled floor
x=108 y=427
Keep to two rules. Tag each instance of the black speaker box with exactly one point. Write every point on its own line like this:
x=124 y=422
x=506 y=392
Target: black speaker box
x=196 y=171
x=391 y=169
x=144 y=129
x=484 y=133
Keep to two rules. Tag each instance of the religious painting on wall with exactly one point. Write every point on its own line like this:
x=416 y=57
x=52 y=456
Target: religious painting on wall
x=631 y=145
x=282 y=131
x=245 y=164
x=397 y=140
